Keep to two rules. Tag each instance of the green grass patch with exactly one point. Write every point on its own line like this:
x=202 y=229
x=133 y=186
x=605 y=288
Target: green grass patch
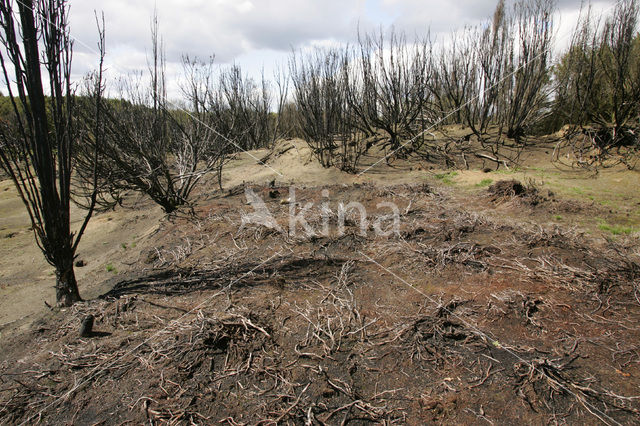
x=484 y=182
x=111 y=268
x=577 y=190
x=616 y=229
x=126 y=246
x=446 y=178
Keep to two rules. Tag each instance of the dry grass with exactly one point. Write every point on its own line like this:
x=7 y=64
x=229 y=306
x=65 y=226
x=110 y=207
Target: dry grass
x=474 y=311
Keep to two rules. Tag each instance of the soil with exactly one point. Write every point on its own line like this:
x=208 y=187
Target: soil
x=479 y=309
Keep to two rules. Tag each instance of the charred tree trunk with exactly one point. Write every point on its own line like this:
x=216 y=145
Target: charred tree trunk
x=36 y=148
x=66 y=285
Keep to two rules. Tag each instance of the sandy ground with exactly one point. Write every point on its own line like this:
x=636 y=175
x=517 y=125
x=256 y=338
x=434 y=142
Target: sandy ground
x=27 y=280
x=483 y=307
x=115 y=240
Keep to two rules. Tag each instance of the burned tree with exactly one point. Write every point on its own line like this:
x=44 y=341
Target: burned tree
x=400 y=72
x=319 y=92
x=492 y=59
x=229 y=112
x=453 y=74
x=598 y=88
x=242 y=107
x=524 y=93
x=205 y=135
x=37 y=145
x=148 y=146
x=494 y=77
x=348 y=99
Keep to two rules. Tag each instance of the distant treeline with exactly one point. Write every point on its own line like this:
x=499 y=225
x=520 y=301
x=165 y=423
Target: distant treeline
x=485 y=90
x=499 y=81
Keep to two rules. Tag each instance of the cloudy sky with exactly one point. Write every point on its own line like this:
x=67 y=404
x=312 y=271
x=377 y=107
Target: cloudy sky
x=261 y=33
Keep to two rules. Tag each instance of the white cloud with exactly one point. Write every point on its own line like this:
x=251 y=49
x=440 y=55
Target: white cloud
x=444 y=16
x=254 y=33
x=232 y=30
x=225 y=27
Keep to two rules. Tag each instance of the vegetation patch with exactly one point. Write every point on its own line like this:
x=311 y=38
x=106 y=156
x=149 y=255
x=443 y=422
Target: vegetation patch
x=447 y=178
x=484 y=182
x=616 y=229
